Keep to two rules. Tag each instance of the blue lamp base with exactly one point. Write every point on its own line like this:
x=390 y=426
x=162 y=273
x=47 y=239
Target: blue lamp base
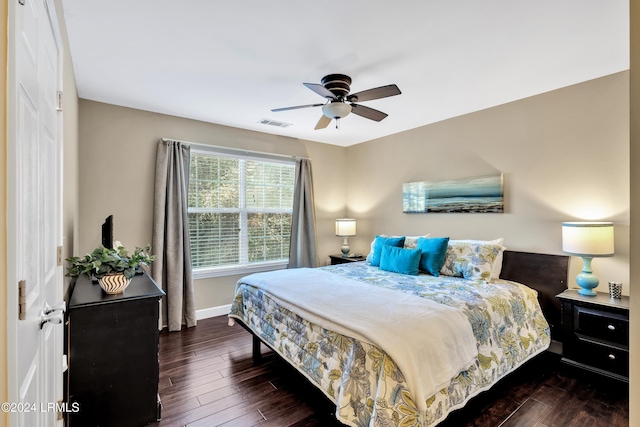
x=345 y=248
x=587 y=280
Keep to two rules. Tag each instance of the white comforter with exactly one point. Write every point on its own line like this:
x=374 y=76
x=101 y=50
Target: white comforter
x=431 y=343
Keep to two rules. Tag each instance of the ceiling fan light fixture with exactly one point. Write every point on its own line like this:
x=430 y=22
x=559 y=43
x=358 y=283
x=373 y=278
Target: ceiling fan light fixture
x=336 y=88
x=336 y=110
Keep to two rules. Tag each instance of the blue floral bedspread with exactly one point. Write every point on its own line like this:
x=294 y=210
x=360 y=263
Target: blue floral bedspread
x=365 y=384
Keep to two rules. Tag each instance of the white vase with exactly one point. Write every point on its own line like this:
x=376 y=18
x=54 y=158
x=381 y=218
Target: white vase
x=114 y=283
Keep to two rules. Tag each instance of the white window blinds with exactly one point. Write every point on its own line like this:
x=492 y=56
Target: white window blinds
x=239 y=212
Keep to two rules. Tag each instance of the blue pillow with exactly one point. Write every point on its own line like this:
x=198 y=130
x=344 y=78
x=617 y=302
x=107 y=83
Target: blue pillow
x=400 y=260
x=382 y=241
x=434 y=252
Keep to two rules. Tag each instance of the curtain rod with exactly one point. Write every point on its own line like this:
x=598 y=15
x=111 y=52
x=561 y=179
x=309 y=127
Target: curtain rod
x=239 y=150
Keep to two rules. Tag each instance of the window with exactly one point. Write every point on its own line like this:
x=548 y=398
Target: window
x=239 y=213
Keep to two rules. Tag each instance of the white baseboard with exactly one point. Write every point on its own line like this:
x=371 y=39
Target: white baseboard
x=205 y=313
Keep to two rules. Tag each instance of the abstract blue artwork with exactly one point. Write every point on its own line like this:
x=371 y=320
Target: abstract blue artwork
x=478 y=194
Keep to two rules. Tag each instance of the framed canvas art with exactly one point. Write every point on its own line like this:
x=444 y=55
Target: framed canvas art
x=478 y=194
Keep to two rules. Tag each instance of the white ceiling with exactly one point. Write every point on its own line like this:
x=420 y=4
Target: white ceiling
x=231 y=62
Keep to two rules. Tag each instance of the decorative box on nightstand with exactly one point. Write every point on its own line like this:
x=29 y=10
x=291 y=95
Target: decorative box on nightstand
x=339 y=259
x=596 y=333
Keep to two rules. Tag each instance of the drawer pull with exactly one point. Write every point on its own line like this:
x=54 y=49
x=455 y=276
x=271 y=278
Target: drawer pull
x=612 y=357
x=611 y=327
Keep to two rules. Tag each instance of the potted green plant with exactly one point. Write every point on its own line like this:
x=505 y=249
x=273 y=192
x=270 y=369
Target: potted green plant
x=113 y=268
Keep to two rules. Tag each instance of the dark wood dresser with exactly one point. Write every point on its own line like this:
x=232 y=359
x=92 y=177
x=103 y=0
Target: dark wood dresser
x=596 y=333
x=113 y=354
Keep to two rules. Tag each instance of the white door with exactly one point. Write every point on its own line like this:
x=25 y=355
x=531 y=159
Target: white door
x=34 y=347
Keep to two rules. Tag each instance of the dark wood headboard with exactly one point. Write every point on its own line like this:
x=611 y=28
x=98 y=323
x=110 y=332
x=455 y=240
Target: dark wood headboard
x=545 y=273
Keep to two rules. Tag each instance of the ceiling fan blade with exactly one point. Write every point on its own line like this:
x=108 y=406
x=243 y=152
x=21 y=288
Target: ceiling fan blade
x=375 y=93
x=320 y=90
x=275 y=110
x=368 y=113
x=323 y=122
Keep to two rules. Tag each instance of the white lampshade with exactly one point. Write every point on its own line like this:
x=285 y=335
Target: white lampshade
x=345 y=227
x=336 y=110
x=593 y=239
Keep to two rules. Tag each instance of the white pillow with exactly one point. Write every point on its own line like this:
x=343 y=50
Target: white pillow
x=496 y=268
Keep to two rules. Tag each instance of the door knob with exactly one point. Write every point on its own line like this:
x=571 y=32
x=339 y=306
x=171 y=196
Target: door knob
x=52 y=313
x=55 y=317
x=61 y=306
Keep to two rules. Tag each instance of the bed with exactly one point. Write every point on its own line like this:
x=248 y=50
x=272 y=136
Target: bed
x=371 y=363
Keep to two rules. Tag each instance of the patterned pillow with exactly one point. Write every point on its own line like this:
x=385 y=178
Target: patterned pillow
x=497 y=265
x=411 y=242
x=472 y=261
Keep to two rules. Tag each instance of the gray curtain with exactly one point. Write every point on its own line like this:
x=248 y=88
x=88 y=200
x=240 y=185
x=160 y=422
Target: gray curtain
x=302 y=250
x=170 y=244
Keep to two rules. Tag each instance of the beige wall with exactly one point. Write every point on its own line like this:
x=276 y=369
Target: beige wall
x=564 y=156
x=3 y=210
x=117 y=161
x=634 y=333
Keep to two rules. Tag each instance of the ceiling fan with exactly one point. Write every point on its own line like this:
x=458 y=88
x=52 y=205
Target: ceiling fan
x=335 y=87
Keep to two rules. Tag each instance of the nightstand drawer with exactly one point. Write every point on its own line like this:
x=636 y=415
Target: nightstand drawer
x=598 y=324
x=595 y=332
x=601 y=356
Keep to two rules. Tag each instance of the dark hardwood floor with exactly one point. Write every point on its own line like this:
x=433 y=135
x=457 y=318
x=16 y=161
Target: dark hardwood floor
x=207 y=378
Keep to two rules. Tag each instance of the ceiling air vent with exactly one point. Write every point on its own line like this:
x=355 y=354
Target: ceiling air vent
x=274 y=123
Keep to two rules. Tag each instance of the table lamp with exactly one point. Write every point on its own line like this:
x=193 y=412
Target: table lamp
x=345 y=228
x=587 y=240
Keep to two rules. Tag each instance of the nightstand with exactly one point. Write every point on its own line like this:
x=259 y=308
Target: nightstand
x=339 y=259
x=596 y=333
